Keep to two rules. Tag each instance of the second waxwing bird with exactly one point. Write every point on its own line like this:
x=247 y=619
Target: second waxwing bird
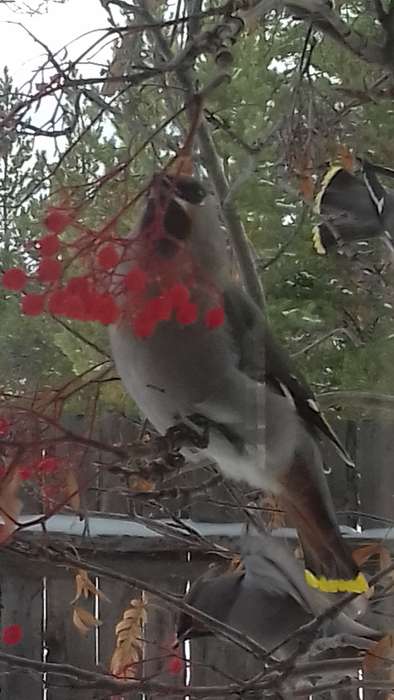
x=352 y=207
x=193 y=348
x=268 y=599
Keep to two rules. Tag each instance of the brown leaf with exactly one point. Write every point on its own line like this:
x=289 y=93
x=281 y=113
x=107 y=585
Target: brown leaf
x=236 y=564
x=86 y=587
x=138 y=484
x=345 y=157
x=129 y=643
x=10 y=504
x=71 y=490
x=84 y=620
x=382 y=651
x=182 y=165
x=362 y=554
x=307 y=187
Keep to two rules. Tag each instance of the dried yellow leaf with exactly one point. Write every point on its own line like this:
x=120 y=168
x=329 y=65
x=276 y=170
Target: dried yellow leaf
x=129 y=642
x=86 y=587
x=84 y=620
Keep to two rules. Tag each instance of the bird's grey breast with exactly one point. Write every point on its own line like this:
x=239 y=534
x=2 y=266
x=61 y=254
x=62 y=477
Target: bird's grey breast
x=170 y=373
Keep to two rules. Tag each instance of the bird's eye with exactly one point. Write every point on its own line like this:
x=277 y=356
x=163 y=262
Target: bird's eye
x=190 y=190
x=177 y=223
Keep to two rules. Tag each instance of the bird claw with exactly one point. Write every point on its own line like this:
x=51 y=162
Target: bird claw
x=324 y=644
x=193 y=431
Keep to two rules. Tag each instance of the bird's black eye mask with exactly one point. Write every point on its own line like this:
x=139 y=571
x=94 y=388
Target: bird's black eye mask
x=188 y=189
x=176 y=227
x=170 y=193
x=169 y=225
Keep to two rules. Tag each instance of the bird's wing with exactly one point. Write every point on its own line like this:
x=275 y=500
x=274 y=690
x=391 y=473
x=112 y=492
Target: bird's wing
x=262 y=358
x=350 y=207
x=270 y=565
x=213 y=594
x=375 y=189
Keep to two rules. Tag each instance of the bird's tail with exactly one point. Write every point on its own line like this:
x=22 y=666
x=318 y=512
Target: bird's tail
x=350 y=207
x=329 y=565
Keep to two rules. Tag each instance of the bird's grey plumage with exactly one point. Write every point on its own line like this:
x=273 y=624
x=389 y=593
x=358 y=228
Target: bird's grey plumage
x=269 y=600
x=262 y=418
x=179 y=372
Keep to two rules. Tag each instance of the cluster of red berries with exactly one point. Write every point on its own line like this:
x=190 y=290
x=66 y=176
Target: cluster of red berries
x=174 y=301
x=97 y=295
x=79 y=298
x=175 y=665
x=11 y=635
x=47 y=466
x=42 y=467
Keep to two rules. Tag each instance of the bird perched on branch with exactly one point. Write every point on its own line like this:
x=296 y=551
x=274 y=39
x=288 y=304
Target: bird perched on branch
x=193 y=349
x=268 y=599
x=352 y=207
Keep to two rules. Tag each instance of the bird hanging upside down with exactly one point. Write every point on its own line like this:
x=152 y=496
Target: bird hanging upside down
x=267 y=599
x=352 y=206
x=193 y=348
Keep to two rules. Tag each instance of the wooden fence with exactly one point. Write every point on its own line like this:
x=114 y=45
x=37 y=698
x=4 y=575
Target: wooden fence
x=41 y=604
x=38 y=596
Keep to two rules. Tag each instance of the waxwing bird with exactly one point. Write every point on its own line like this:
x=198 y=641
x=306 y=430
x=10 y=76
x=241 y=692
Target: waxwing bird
x=352 y=207
x=191 y=347
x=268 y=599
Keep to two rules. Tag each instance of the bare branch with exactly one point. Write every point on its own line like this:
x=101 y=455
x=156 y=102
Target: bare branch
x=321 y=14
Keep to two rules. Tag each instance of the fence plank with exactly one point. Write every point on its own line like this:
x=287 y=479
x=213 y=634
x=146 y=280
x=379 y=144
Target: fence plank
x=21 y=604
x=166 y=571
x=169 y=572
x=343 y=481
x=113 y=429
x=215 y=661
x=64 y=642
x=376 y=449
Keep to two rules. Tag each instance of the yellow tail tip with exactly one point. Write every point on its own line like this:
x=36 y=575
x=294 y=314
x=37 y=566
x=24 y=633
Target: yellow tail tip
x=317 y=242
x=328 y=177
x=355 y=585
